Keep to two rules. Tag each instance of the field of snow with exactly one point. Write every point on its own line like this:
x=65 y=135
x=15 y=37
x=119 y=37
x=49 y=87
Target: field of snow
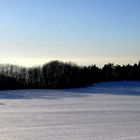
x=105 y=111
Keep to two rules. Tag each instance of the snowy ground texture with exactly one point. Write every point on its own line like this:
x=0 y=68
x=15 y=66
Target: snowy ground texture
x=105 y=111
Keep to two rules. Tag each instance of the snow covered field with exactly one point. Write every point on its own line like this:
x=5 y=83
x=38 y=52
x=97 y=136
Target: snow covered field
x=105 y=111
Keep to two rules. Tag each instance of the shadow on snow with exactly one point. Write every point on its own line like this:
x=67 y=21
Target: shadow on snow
x=130 y=88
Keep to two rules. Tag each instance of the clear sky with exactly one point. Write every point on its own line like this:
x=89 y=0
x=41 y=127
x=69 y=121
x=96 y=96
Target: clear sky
x=83 y=31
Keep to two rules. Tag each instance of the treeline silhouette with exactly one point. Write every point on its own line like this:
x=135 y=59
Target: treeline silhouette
x=58 y=74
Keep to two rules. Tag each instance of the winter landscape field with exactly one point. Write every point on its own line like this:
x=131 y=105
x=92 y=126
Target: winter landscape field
x=104 y=111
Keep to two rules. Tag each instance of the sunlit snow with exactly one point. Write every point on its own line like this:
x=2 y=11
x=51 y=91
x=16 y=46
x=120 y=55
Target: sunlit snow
x=104 y=111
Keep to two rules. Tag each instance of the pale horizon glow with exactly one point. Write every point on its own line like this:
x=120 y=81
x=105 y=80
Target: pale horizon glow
x=85 y=32
x=29 y=62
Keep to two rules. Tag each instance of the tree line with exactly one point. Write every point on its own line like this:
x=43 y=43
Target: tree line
x=56 y=74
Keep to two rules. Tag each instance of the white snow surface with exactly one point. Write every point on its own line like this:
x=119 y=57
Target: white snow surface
x=104 y=111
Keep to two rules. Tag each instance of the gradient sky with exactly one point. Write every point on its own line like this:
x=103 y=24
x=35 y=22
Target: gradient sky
x=83 y=31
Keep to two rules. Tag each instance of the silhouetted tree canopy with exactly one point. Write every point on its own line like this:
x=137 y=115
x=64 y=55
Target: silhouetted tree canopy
x=56 y=74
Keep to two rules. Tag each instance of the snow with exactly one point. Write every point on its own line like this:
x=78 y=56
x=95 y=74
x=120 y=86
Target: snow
x=104 y=111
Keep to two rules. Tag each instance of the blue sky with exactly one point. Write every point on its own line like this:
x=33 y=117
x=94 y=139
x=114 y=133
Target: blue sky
x=83 y=31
